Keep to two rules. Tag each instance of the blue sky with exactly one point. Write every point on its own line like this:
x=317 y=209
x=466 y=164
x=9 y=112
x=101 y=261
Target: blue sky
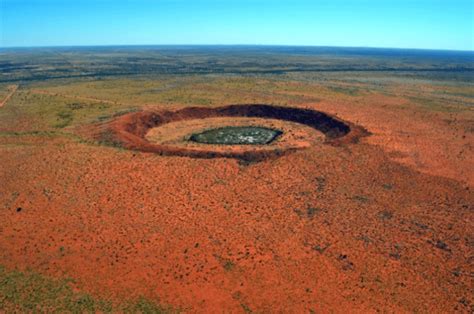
x=431 y=24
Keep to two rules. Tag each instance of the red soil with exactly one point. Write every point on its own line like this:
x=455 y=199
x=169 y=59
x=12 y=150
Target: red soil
x=327 y=228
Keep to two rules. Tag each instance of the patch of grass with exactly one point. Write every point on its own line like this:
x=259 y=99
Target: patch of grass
x=320 y=248
x=351 y=91
x=143 y=305
x=29 y=133
x=461 y=90
x=361 y=198
x=229 y=265
x=75 y=106
x=116 y=114
x=311 y=211
x=64 y=119
x=434 y=104
x=246 y=308
x=385 y=215
x=107 y=138
x=54 y=112
x=31 y=292
x=321 y=183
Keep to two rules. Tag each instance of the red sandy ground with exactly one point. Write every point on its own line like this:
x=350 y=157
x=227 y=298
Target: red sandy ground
x=385 y=224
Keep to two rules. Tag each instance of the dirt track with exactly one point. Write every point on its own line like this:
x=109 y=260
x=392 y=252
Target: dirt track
x=12 y=90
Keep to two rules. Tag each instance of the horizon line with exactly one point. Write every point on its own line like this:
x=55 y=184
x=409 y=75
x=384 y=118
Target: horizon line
x=230 y=45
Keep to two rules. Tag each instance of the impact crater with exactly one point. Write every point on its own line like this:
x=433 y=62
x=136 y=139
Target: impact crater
x=148 y=131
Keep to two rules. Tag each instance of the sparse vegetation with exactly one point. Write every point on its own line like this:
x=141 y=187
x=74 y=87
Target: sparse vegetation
x=32 y=292
x=372 y=213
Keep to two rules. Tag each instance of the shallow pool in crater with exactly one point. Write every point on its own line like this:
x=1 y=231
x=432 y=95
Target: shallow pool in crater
x=237 y=135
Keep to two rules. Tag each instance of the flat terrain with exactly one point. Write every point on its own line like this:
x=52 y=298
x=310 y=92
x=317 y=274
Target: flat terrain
x=178 y=133
x=385 y=223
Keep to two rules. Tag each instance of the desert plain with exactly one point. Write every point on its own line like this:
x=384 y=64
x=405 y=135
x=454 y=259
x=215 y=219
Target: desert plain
x=106 y=205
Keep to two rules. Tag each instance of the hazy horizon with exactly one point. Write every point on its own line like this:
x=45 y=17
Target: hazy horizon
x=229 y=46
